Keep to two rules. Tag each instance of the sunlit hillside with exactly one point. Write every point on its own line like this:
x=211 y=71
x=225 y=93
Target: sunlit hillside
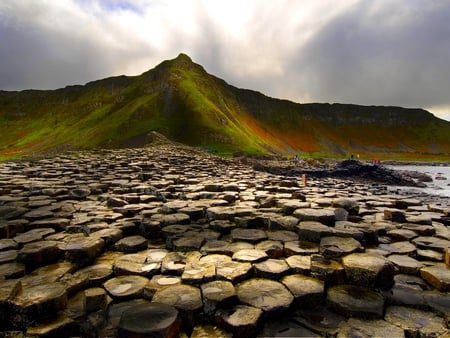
x=179 y=99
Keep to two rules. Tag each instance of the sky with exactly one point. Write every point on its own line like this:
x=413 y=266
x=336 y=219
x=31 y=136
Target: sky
x=370 y=52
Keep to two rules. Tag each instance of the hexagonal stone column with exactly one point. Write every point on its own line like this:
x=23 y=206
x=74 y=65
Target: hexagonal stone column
x=355 y=301
x=265 y=294
x=149 y=320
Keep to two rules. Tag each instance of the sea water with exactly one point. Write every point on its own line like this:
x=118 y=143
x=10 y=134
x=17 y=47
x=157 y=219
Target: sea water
x=440 y=174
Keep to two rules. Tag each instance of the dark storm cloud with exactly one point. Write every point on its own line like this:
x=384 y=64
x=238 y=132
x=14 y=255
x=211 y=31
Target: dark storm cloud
x=396 y=54
x=39 y=59
x=382 y=52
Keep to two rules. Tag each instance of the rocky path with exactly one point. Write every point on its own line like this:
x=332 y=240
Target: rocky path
x=167 y=241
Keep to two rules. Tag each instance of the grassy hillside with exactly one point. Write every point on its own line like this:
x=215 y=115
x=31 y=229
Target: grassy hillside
x=179 y=99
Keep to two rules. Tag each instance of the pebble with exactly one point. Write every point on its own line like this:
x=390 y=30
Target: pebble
x=90 y=242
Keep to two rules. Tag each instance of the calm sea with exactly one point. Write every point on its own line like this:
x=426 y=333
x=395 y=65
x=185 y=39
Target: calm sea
x=440 y=174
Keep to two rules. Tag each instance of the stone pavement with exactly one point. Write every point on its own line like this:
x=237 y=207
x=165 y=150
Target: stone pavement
x=170 y=241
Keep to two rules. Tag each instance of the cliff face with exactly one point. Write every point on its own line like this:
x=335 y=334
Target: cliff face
x=179 y=99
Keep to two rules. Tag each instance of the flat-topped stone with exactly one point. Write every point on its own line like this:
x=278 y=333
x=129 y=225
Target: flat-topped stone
x=94 y=275
x=109 y=235
x=198 y=272
x=369 y=270
x=159 y=282
x=135 y=264
x=241 y=320
x=400 y=248
x=432 y=243
x=36 y=303
x=33 y=235
x=324 y=216
x=328 y=270
x=307 y=291
x=131 y=244
x=356 y=327
x=265 y=294
x=271 y=268
x=8 y=256
x=250 y=255
x=437 y=275
x=351 y=205
x=149 y=320
x=189 y=241
x=313 y=231
x=334 y=247
x=125 y=287
x=181 y=296
x=248 y=235
x=216 y=294
x=319 y=319
x=300 y=248
x=282 y=235
x=36 y=254
x=355 y=301
x=234 y=272
x=405 y=264
x=12 y=270
x=82 y=249
x=8 y=244
x=57 y=327
x=415 y=322
x=173 y=263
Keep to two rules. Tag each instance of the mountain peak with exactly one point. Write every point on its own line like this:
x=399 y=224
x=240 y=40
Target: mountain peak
x=183 y=58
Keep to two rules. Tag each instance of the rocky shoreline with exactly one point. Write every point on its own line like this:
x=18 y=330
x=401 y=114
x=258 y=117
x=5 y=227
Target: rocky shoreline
x=363 y=172
x=169 y=241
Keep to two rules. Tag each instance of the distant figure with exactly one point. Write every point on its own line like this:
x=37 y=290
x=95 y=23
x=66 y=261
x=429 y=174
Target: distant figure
x=357 y=156
x=295 y=158
x=351 y=156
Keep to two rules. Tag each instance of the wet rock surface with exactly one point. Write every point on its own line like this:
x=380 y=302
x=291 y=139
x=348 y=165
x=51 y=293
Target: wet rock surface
x=91 y=243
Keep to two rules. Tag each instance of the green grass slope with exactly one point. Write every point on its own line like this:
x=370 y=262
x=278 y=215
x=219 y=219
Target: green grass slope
x=179 y=99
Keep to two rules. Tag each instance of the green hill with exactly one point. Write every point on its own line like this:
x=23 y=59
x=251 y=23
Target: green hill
x=179 y=99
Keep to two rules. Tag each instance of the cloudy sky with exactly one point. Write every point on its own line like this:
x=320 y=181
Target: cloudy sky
x=373 y=52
